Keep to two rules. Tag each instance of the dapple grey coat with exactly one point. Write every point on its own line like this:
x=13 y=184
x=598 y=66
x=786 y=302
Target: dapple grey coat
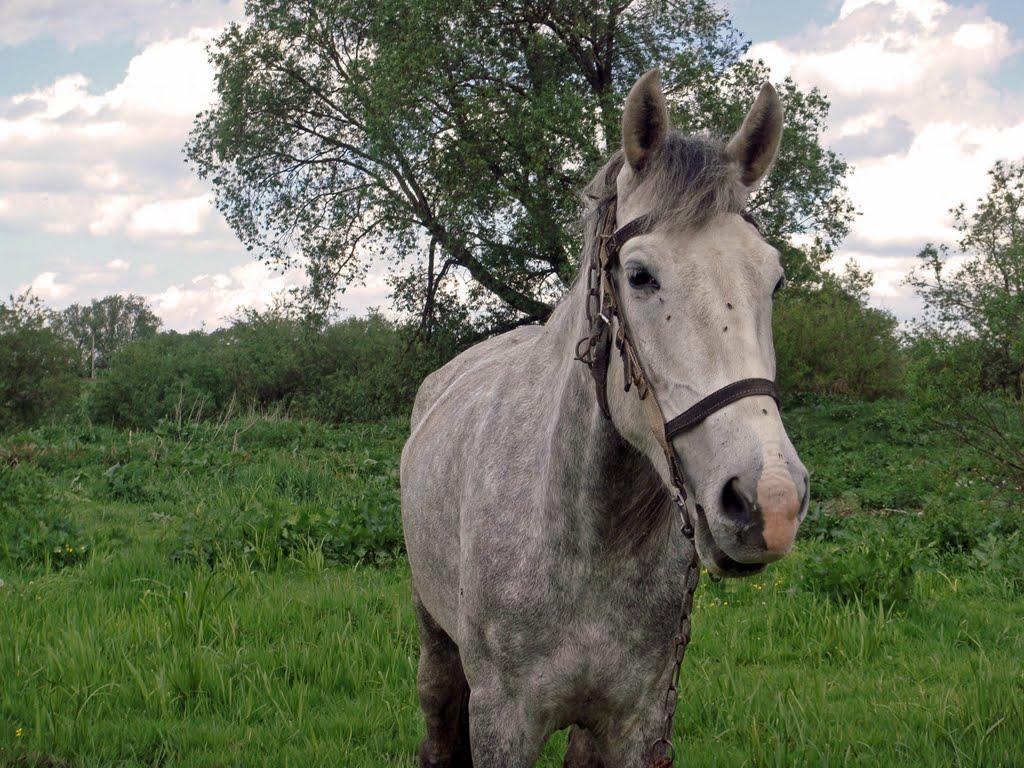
x=547 y=562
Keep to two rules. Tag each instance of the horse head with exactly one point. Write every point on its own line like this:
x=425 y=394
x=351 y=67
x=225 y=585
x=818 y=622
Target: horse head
x=696 y=287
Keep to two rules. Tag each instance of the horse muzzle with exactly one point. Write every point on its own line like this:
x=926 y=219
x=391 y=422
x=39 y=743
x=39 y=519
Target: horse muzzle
x=752 y=520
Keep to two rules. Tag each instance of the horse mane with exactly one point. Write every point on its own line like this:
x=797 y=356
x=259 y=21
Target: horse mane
x=651 y=508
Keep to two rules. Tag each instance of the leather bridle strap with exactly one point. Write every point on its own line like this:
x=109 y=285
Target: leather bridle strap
x=717 y=400
x=641 y=225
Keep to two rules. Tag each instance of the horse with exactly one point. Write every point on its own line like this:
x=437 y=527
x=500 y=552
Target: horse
x=545 y=509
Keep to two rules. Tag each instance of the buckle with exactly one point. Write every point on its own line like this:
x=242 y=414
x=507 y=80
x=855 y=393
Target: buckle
x=679 y=497
x=684 y=519
x=610 y=242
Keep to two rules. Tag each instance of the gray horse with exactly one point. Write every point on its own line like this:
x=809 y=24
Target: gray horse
x=547 y=571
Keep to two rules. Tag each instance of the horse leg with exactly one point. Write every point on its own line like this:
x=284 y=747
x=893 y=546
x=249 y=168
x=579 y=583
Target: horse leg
x=634 y=748
x=444 y=697
x=583 y=751
x=503 y=734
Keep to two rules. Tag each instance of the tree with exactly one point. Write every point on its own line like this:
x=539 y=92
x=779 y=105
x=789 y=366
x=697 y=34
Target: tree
x=967 y=357
x=36 y=366
x=450 y=140
x=23 y=312
x=100 y=328
x=981 y=294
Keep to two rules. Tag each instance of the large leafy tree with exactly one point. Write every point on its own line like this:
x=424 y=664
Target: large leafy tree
x=979 y=296
x=449 y=140
x=101 y=327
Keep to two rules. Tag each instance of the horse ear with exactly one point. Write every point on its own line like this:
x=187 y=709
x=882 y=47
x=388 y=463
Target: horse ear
x=644 y=120
x=756 y=143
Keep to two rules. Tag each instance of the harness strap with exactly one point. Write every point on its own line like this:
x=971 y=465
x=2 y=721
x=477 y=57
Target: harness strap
x=717 y=400
x=641 y=225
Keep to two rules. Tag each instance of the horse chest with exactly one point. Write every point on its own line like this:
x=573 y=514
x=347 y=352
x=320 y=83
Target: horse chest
x=576 y=637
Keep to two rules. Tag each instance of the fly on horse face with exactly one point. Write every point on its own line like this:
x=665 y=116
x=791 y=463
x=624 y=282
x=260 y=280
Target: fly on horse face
x=555 y=511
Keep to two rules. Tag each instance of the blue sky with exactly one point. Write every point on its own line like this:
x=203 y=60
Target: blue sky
x=97 y=97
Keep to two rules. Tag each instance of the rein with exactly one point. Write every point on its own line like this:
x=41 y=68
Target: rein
x=594 y=351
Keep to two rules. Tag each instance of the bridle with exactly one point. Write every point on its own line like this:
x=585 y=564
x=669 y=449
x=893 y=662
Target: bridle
x=594 y=350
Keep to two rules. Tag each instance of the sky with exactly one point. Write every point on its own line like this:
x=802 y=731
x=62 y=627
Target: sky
x=97 y=98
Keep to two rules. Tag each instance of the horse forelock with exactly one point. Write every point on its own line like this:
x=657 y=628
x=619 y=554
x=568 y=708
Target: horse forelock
x=688 y=181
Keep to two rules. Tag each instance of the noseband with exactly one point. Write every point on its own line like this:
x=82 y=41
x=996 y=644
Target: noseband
x=594 y=350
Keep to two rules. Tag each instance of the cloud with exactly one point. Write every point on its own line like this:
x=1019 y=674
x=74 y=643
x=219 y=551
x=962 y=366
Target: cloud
x=916 y=113
x=873 y=136
x=119 y=265
x=46 y=286
x=210 y=299
x=172 y=217
x=75 y=161
x=87 y=21
x=878 y=53
x=906 y=197
x=172 y=78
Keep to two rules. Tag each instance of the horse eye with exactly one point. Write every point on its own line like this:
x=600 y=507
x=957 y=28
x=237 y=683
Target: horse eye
x=779 y=285
x=641 y=278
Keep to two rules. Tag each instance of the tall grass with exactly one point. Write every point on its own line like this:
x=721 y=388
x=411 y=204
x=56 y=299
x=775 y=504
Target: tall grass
x=242 y=601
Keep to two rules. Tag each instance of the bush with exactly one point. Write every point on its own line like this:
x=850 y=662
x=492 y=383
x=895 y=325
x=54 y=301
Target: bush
x=268 y=358
x=863 y=560
x=179 y=377
x=32 y=533
x=858 y=556
x=271 y=535
x=954 y=397
x=827 y=342
x=360 y=369
x=368 y=370
x=1001 y=556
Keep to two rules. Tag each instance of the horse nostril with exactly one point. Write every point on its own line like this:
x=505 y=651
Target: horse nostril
x=735 y=504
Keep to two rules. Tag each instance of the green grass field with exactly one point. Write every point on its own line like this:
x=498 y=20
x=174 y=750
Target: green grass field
x=235 y=595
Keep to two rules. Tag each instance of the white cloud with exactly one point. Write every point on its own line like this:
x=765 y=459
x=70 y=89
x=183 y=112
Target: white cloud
x=975 y=36
x=119 y=265
x=171 y=217
x=107 y=163
x=907 y=197
x=889 y=271
x=46 y=286
x=88 y=21
x=923 y=11
x=110 y=212
x=888 y=49
x=209 y=299
x=916 y=114
x=172 y=77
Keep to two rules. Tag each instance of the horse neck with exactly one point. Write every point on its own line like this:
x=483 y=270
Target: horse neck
x=602 y=492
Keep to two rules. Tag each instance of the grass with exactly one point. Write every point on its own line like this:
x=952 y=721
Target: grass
x=241 y=601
